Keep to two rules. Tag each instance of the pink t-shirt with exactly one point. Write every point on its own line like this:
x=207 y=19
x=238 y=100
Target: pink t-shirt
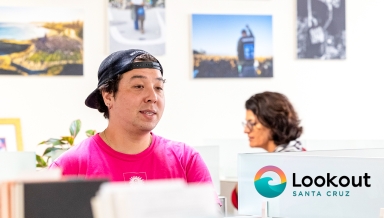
x=163 y=159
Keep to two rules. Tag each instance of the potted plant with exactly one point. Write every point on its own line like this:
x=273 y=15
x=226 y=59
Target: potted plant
x=57 y=146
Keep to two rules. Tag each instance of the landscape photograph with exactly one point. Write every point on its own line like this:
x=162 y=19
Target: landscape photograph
x=41 y=41
x=232 y=46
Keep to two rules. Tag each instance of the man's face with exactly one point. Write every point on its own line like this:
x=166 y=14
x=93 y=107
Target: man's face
x=139 y=101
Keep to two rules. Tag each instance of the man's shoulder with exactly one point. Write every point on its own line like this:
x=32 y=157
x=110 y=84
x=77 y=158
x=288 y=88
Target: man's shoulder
x=173 y=145
x=78 y=151
x=86 y=144
x=248 y=39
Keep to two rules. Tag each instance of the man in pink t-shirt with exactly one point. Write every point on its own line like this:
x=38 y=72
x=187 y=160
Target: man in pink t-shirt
x=130 y=94
x=163 y=159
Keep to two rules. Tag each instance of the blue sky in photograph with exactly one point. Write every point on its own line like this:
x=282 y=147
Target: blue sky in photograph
x=39 y=14
x=17 y=22
x=218 y=34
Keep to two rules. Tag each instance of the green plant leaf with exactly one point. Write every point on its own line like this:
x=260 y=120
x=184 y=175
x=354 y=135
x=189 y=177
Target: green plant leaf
x=75 y=128
x=90 y=132
x=50 y=149
x=42 y=143
x=40 y=161
x=53 y=142
x=68 y=139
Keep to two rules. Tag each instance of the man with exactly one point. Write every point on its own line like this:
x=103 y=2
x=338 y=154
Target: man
x=131 y=96
x=138 y=14
x=245 y=54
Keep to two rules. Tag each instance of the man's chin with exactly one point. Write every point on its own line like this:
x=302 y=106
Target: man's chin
x=147 y=128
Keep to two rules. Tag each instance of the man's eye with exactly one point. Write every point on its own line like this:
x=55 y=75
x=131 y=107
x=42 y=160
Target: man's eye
x=159 y=88
x=139 y=86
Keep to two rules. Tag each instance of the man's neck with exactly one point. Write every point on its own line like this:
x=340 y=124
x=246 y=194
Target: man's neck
x=126 y=142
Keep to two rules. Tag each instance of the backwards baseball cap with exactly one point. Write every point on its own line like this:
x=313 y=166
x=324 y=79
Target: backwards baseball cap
x=118 y=63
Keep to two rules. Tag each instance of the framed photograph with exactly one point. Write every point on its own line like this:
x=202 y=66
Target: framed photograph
x=10 y=135
x=41 y=41
x=137 y=24
x=232 y=46
x=321 y=29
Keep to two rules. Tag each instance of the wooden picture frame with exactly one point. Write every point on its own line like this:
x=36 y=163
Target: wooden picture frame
x=10 y=134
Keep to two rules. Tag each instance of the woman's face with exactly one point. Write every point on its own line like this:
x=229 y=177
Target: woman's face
x=258 y=135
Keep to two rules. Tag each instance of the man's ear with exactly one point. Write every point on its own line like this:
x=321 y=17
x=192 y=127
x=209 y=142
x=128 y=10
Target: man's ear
x=107 y=97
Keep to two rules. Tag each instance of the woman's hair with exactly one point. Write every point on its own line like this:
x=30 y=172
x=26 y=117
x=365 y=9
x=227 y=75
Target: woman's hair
x=275 y=112
x=111 y=86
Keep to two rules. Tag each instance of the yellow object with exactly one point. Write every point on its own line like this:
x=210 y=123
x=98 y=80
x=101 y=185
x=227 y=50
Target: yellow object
x=16 y=123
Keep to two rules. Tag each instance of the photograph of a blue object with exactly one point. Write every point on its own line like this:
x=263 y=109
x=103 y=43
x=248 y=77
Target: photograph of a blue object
x=232 y=46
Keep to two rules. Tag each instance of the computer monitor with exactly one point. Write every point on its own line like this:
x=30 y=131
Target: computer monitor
x=12 y=164
x=210 y=155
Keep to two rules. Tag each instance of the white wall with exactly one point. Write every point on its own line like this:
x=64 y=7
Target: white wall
x=336 y=99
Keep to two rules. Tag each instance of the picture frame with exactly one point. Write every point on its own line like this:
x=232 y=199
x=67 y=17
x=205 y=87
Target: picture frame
x=239 y=46
x=133 y=25
x=321 y=29
x=41 y=41
x=10 y=134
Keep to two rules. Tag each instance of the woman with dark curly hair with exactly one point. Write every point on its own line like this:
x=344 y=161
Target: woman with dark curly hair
x=272 y=124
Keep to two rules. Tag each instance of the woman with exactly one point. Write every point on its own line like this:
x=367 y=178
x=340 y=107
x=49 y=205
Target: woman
x=271 y=124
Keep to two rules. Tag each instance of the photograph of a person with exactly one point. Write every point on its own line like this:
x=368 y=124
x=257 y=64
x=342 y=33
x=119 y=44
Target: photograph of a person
x=232 y=46
x=3 y=145
x=41 y=41
x=137 y=24
x=321 y=29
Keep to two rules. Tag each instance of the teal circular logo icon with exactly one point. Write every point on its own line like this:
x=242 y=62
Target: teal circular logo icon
x=262 y=183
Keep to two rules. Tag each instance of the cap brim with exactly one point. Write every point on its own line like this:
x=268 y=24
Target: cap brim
x=91 y=100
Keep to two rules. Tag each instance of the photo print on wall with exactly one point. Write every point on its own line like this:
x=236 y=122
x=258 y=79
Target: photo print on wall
x=10 y=134
x=41 y=41
x=3 y=144
x=137 y=24
x=232 y=46
x=321 y=29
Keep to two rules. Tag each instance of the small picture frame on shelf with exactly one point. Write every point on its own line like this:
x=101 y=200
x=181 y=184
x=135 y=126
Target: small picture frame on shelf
x=10 y=135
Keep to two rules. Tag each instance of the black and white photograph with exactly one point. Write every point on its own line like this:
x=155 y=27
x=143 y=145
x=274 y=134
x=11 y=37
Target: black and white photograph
x=137 y=24
x=321 y=29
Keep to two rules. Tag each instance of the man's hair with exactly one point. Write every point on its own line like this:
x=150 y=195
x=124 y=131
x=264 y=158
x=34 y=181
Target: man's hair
x=275 y=112
x=111 y=86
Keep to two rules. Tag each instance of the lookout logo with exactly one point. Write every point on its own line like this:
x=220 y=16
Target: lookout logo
x=262 y=184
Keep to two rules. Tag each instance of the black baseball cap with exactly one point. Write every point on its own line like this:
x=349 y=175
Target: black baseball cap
x=118 y=63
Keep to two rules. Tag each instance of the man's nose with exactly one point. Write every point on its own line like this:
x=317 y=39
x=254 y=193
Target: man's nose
x=151 y=96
